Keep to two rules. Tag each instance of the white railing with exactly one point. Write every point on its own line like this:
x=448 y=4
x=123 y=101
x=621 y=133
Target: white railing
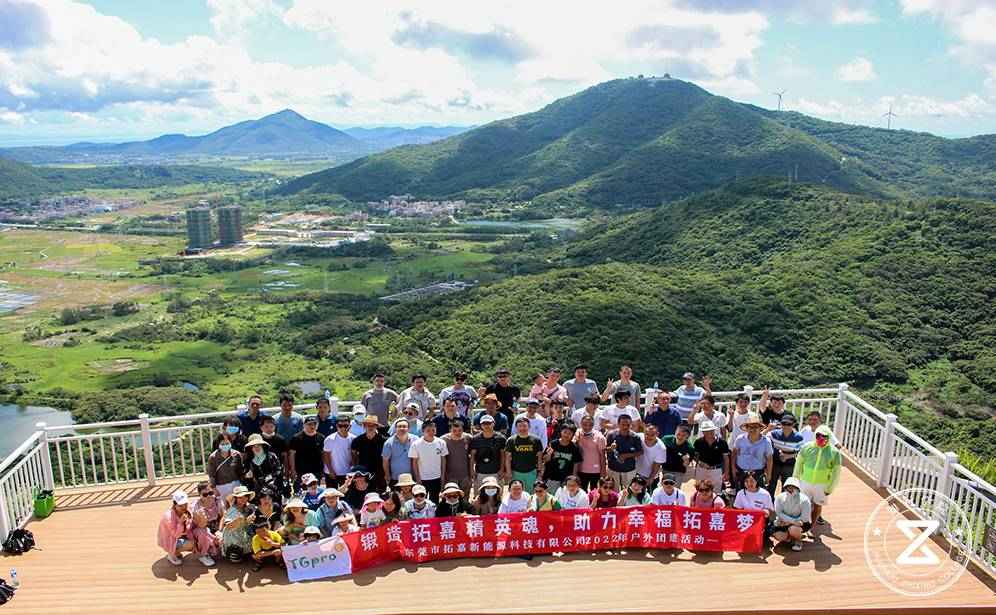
x=150 y=449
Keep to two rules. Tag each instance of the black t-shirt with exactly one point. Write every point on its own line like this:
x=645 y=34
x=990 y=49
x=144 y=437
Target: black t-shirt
x=674 y=463
x=629 y=443
x=770 y=416
x=524 y=452
x=487 y=452
x=354 y=497
x=507 y=397
x=711 y=454
x=561 y=464
x=368 y=452
x=308 y=453
x=278 y=445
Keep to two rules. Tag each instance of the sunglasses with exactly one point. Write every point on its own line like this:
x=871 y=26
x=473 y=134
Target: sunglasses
x=703 y=489
x=419 y=495
x=207 y=494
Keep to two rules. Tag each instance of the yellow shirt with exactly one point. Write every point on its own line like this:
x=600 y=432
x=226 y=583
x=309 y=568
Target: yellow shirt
x=258 y=544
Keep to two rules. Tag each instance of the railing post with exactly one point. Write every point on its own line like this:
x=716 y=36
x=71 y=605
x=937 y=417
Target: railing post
x=749 y=390
x=4 y=511
x=46 y=456
x=150 y=463
x=334 y=406
x=885 y=452
x=944 y=486
x=838 y=415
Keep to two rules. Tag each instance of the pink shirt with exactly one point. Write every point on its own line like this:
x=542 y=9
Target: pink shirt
x=172 y=527
x=592 y=448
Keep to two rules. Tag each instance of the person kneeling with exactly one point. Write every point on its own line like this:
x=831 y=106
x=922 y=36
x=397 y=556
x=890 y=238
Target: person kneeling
x=793 y=515
x=266 y=546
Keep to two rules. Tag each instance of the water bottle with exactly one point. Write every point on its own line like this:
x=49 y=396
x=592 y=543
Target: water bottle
x=328 y=394
x=14 y=581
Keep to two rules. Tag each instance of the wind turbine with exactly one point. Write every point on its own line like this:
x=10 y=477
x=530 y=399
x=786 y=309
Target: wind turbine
x=889 y=115
x=780 y=95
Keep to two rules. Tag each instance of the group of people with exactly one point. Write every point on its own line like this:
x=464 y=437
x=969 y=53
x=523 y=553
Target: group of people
x=284 y=479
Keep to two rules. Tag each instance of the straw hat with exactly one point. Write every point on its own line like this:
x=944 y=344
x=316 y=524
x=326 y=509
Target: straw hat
x=707 y=425
x=753 y=418
x=344 y=517
x=243 y=492
x=372 y=498
x=490 y=481
x=451 y=488
x=332 y=491
x=256 y=439
x=295 y=503
x=405 y=480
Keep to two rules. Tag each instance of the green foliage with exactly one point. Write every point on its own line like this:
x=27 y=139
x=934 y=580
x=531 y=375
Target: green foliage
x=156 y=401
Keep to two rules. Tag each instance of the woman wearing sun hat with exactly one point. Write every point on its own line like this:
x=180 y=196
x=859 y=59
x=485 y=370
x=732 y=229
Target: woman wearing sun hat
x=451 y=502
x=295 y=520
x=344 y=524
x=404 y=487
x=263 y=468
x=488 y=499
x=235 y=527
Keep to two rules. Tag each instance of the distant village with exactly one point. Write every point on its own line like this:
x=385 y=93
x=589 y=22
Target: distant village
x=37 y=210
x=405 y=205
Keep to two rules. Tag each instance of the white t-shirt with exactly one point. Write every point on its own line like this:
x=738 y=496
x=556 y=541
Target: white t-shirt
x=339 y=449
x=718 y=419
x=578 y=500
x=509 y=505
x=660 y=498
x=537 y=427
x=737 y=421
x=599 y=415
x=651 y=455
x=613 y=412
x=425 y=400
x=758 y=500
x=430 y=457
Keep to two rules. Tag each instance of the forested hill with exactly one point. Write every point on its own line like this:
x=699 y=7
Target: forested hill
x=18 y=180
x=641 y=142
x=759 y=283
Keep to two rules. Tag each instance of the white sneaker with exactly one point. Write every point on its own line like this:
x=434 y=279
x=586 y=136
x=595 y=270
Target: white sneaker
x=797 y=546
x=206 y=560
x=173 y=559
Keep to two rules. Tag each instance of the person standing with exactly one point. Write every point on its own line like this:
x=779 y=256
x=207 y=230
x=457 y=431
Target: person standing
x=395 y=452
x=486 y=451
x=409 y=415
x=463 y=396
x=705 y=410
x=499 y=422
x=712 y=455
x=337 y=452
x=224 y=468
x=772 y=409
x=368 y=452
x=506 y=393
x=278 y=446
x=680 y=455
x=739 y=416
x=591 y=409
x=623 y=447
x=593 y=454
x=562 y=458
x=786 y=443
x=550 y=388
x=623 y=384
x=537 y=424
x=417 y=394
x=664 y=415
x=289 y=423
x=523 y=455
x=751 y=451
x=653 y=458
x=428 y=455
x=817 y=467
x=306 y=451
x=250 y=417
x=378 y=400
x=323 y=412
x=457 y=458
x=580 y=387
x=621 y=408
x=689 y=393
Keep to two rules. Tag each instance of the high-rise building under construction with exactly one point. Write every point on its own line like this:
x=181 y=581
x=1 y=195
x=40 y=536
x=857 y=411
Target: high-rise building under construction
x=229 y=224
x=199 y=233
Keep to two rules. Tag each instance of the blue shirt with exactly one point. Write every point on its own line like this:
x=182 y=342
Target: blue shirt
x=752 y=455
x=414 y=427
x=250 y=425
x=687 y=399
x=666 y=420
x=288 y=427
x=397 y=452
x=786 y=447
x=501 y=422
x=312 y=501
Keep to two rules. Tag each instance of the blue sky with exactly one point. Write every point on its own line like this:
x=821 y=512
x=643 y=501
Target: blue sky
x=117 y=69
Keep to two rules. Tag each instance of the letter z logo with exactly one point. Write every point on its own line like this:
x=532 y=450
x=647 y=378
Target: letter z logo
x=926 y=557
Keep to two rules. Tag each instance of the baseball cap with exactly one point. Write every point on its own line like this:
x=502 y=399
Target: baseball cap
x=532 y=401
x=669 y=478
x=688 y=376
x=487 y=418
x=788 y=419
x=308 y=479
x=180 y=498
x=311 y=419
x=419 y=489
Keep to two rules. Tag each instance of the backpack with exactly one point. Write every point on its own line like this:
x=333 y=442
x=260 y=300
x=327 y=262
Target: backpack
x=6 y=592
x=19 y=541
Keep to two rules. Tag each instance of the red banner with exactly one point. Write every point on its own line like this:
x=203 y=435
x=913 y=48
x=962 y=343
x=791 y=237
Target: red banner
x=642 y=527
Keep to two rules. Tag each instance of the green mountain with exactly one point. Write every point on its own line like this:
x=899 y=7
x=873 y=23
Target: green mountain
x=759 y=282
x=640 y=142
x=19 y=180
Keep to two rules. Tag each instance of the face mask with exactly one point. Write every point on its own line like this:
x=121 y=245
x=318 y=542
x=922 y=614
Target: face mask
x=258 y=458
x=490 y=492
x=232 y=429
x=452 y=500
x=225 y=447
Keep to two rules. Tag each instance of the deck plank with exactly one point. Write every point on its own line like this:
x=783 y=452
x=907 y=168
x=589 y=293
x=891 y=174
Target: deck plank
x=98 y=555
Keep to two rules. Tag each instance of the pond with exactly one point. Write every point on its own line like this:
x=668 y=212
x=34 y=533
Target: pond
x=19 y=423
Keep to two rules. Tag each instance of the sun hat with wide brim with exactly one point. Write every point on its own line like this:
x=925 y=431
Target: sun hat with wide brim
x=451 y=488
x=405 y=480
x=332 y=491
x=344 y=517
x=295 y=503
x=311 y=530
x=707 y=425
x=490 y=481
x=372 y=498
x=753 y=419
x=371 y=420
x=243 y=492
x=256 y=439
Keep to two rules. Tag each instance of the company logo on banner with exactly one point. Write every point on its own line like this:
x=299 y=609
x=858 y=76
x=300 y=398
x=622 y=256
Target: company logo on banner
x=329 y=557
x=536 y=533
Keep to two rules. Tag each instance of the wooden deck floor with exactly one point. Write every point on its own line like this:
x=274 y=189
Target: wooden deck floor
x=98 y=555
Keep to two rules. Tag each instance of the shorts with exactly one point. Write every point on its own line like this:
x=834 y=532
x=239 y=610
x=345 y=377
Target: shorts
x=527 y=478
x=815 y=492
x=784 y=528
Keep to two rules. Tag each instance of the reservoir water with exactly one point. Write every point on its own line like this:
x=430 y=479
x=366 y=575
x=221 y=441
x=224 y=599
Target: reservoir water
x=18 y=422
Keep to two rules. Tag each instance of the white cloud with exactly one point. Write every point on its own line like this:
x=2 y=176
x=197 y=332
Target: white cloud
x=858 y=69
x=843 y=15
x=911 y=110
x=230 y=18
